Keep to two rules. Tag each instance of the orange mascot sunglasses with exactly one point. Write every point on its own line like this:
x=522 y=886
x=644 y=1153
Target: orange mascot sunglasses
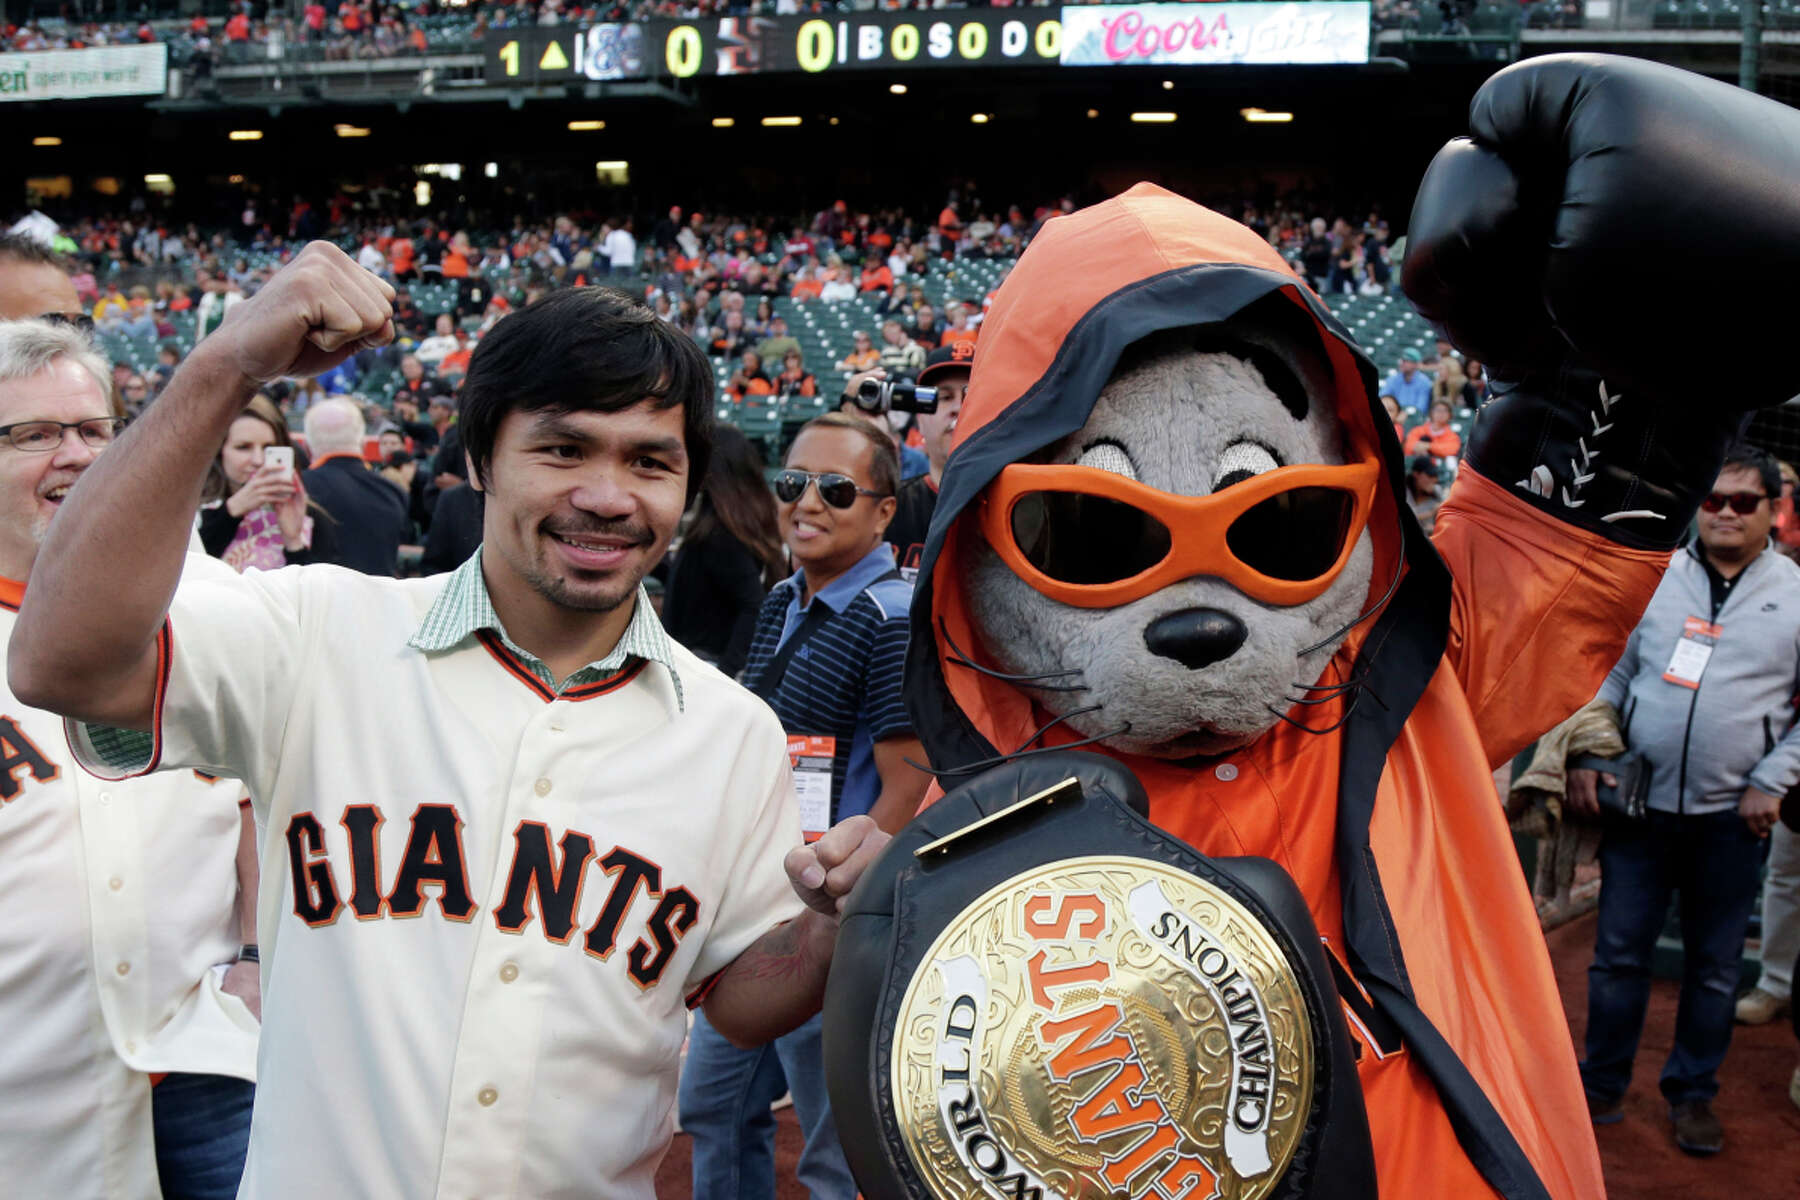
x=1095 y=539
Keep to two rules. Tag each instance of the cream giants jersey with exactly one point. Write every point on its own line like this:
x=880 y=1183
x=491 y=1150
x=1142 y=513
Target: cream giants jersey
x=120 y=909
x=485 y=906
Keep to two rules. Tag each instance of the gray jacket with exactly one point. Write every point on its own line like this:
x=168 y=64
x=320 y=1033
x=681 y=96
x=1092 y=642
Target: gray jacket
x=1737 y=728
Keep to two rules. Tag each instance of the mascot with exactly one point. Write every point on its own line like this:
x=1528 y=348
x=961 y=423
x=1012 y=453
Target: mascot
x=1172 y=533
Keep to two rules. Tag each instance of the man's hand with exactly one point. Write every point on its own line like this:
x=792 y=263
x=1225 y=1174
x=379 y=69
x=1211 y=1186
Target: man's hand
x=854 y=384
x=1759 y=810
x=312 y=315
x=244 y=980
x=1582 y=794
x=824 y=872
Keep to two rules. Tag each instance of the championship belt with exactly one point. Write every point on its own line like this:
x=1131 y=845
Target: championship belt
x=1036 y=993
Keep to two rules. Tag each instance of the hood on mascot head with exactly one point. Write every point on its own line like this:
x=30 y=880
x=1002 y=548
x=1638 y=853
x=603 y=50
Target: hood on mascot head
x=1099 y=313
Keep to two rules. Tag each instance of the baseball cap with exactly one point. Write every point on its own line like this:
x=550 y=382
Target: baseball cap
x=957 y=356
x=1410 y=354
x=1422 y=462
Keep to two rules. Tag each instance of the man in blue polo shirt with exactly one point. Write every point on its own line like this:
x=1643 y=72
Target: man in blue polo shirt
x=1408 y=384
x=828 y=656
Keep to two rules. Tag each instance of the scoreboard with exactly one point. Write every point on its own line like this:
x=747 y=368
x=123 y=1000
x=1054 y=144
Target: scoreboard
x=1313 y=31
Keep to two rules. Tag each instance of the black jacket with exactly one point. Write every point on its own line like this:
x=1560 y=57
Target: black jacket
x=715 y=592
x=368 y=512
x=455 y=530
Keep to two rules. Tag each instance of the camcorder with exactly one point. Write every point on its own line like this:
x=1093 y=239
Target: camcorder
x=879 y=396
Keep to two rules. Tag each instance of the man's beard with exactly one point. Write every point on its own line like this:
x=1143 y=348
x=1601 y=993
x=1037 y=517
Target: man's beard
x=561 y=592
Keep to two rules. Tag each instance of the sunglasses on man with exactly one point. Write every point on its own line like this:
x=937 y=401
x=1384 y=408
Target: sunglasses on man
x=839 y=491
x=80 y=321
x=1741 y=503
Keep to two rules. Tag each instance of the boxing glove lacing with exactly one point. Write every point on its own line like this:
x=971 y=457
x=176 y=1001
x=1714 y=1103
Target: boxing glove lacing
x=1542 y=481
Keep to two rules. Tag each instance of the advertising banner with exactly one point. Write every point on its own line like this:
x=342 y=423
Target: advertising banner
x=1319 y=31
x=84 y=74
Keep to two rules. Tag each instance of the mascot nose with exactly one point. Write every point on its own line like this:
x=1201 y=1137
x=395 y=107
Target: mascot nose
x=1196 y=637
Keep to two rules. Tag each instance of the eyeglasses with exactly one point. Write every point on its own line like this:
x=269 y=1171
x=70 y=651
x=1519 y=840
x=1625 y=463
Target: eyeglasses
x=39 y=437
x=1742 y=503
x=80 y=321
x=839 y=491
x=1094 y=539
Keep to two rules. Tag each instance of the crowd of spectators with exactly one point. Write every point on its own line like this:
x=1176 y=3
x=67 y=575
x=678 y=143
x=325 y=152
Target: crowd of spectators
x=154 y=286
x=366 y=29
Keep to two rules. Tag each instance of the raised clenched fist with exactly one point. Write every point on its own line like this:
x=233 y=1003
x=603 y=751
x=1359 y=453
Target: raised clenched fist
x=316 y=312
x=1608 y=225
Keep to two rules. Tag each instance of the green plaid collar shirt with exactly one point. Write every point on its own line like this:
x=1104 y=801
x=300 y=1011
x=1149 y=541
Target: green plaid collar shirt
x=464 y=608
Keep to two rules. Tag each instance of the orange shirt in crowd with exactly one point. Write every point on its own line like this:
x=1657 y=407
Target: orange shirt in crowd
x=400 y=255
x=804 y=288
x=878 y=279
x=1441 y=443
x=456 y=362
x=756 y=387
x=455 y=266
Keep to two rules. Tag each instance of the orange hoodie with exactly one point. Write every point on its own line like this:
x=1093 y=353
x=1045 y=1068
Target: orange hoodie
x=1387 y=818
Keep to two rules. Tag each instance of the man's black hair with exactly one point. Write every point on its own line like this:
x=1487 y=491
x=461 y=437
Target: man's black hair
x=1742 y=456
x=590 y=349
x=20 y=248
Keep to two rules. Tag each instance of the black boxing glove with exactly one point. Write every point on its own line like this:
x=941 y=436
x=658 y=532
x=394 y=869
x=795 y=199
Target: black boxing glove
x=1608 y=225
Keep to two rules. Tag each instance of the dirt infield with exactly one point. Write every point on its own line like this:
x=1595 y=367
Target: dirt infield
x=1761 y=1160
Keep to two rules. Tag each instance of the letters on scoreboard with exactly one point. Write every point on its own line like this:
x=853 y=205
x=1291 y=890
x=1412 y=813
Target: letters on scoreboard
x=1314 y=31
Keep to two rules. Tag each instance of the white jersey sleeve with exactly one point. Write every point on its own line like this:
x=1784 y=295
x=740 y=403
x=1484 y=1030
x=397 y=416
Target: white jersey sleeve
x=756 y=894
x=230 y=661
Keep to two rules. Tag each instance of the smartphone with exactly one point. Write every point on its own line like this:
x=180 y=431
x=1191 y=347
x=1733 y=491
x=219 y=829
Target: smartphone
x=279 y=456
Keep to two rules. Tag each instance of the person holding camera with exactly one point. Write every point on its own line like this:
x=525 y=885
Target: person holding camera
x=947 y=373
x=1704 y=691
x=869 y=396
x=256 y=513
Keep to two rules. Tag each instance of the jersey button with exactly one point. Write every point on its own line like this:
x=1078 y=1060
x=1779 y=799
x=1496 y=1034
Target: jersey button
x=123 y=968
x=115 y=883
x=509 y=972
x=486 y=1097
x=1225 y=772
x=106 y=797
x=541 y=787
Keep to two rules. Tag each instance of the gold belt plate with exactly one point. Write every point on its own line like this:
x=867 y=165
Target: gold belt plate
x=1103 y=1027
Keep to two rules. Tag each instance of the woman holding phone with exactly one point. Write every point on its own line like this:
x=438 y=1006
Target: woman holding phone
x=256 y=513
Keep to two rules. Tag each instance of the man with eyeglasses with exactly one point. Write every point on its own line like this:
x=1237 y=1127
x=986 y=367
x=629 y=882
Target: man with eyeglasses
x=1704 y=693
x=828 y=656
x=129 y=987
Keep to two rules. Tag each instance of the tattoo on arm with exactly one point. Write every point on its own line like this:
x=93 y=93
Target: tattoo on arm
x=784 y=953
